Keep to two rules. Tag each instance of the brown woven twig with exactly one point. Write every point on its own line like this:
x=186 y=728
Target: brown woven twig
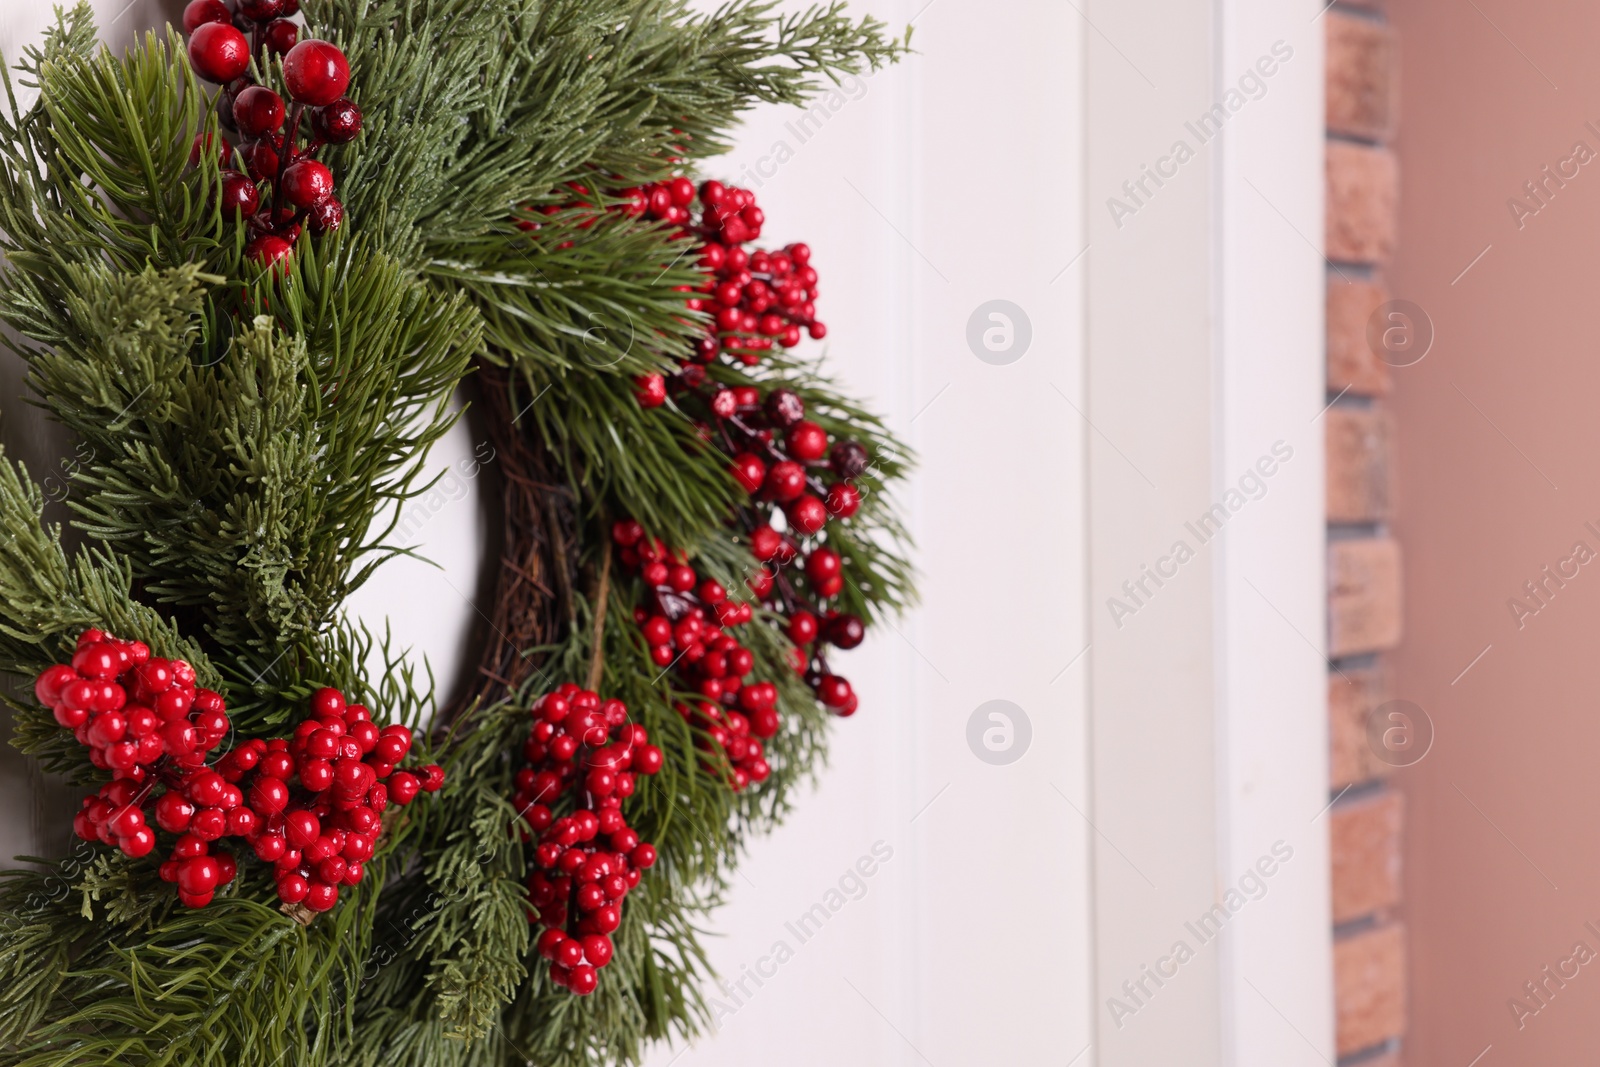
x=533 y=583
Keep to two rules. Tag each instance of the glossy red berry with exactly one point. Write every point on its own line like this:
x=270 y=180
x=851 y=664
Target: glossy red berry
x=260 y=10
x=218 y=52
x=173 y=812
x=807 y=515
x=822 y=564
x=749 y=471
x=765 y=543
x=307 y=183
x=834 y=691
x=198 y=875
x=316 y=72
x=292 y=888
x=843 y=500
x=802 y=627
x=648 y=760
x=650 y=390
x=327 y=702
x=140 y=842
x=268 y=250
x=786 y=480
x=807 y=441
x=320 y=896
x=200 y=12
x=301 y=828
x=403 y=788
x=583 y=980
x=52 y=683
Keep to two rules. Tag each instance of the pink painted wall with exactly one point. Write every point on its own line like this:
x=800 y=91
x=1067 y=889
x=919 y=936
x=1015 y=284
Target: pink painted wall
x=1499 y=461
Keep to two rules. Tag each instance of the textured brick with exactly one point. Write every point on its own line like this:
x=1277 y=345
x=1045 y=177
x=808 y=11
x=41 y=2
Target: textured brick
x=1363 y=77
x=1369 y=982
x=1352 y=694
x=1382 y=1059
x=1364 y=845
x=1363 y=596
x=1358 y=464
x=1363 y=203
x=1352 y=363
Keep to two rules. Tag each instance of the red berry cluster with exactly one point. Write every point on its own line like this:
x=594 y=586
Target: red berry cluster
x=687 y=620
x=134 y=713
x=584 y=749
x=130 y=709
x=755 y=298
x=782 y=459
x=143 y=718
x=299 y=188
x=321 y=795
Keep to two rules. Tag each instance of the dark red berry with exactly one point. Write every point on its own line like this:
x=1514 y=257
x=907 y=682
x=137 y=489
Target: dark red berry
x=329 y=216
x=258 y=111
x=260 y=10
x=848 y=459
x=280 y=36
x=784 y=407
x=337 y=123
x=834 y=691
x=261 y=158
x=219 y=53
x=204 y=144
x=200 y=12
x=239 y=196
x=846 y=631
x=316 y=72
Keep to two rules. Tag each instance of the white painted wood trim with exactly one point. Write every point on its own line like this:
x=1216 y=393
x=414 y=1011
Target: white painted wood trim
x=1205 y=357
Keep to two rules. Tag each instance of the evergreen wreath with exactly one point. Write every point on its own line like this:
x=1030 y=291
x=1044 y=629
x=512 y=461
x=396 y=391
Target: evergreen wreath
x=252 y=296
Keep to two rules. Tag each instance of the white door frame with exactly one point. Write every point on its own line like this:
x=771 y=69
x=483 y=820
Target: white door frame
x=1205 y=358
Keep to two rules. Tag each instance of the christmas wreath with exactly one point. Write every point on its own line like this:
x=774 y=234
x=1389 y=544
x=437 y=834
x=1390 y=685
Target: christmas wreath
x=249 y=266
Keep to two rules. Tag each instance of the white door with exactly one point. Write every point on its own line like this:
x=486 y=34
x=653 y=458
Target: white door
x=942 y=199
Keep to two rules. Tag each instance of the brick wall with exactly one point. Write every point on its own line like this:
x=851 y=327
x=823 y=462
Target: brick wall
x=1364 y=562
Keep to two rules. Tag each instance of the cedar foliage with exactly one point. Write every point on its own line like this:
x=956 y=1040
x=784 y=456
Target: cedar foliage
x=244 y=434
